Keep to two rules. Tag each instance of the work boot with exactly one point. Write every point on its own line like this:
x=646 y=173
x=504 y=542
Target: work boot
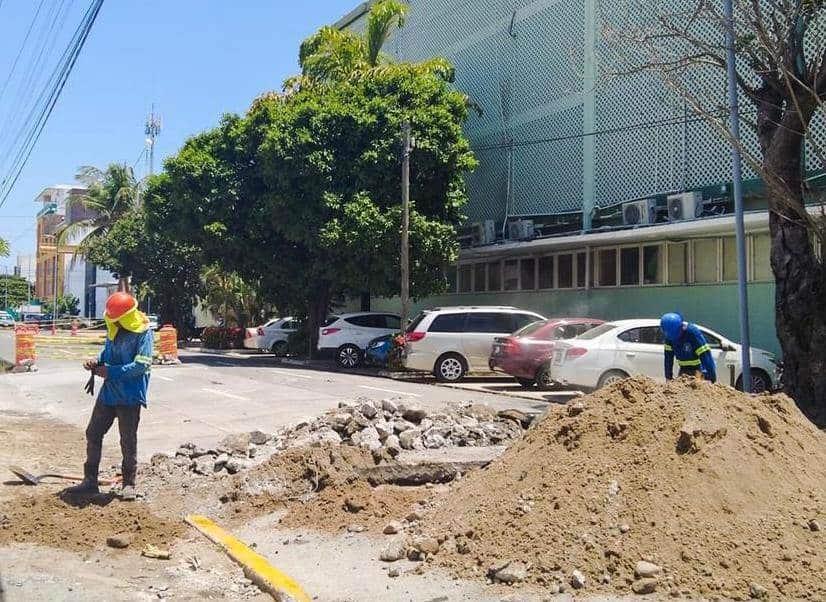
x=86 y=487
x=128 y=494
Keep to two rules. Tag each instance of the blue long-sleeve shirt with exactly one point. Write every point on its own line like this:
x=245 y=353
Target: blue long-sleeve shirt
x=692 y=352
x=128 y=359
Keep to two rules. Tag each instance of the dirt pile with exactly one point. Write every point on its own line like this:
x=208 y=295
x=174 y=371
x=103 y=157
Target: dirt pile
x=685 y=489
x=46 y=519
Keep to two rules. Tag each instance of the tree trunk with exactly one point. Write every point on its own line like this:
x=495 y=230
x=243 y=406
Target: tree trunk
x=800 y=306
x=317 y=309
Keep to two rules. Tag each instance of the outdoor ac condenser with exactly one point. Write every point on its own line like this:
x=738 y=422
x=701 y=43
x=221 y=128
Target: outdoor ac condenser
x=520 y=229
x=687 y=205
x=639 y=213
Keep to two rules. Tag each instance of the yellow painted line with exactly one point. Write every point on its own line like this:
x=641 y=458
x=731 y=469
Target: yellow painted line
x=257 y=568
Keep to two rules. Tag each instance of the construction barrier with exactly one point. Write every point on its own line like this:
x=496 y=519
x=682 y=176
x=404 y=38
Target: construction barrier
x=168 y=345
x=25 y=351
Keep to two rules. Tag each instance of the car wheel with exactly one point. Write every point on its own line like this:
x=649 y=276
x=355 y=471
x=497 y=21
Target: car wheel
x=450 y=367
x=279 y=348
x=760 y=382
x=526 y=383
x=611 y=377
x=348 y=356
x=544 y=380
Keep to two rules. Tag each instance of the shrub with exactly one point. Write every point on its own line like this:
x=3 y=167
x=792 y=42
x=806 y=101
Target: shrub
x=216 y=337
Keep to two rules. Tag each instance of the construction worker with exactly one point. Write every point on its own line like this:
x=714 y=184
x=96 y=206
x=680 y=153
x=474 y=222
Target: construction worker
x=124 y=366
x=686 y=342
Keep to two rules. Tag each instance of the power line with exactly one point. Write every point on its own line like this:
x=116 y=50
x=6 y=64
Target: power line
x=22 y=47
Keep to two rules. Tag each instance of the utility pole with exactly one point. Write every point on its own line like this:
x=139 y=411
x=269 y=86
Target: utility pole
x=54 y=304
x=404 y=257
x=152 y=130
x=737 y=190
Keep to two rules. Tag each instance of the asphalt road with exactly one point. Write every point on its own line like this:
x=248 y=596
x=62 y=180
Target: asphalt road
x=209 y=396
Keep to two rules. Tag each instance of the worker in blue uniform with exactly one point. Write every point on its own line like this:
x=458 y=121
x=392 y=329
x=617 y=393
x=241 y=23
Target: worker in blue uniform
x=685 y=342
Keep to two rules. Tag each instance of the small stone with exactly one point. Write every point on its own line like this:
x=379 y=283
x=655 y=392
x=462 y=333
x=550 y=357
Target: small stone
x=388 y=405
x=393 y=445
x=383 y=428
x=368 y=410
x=433 y=441
x=575 y=408
x=204 y=465
x=393 y=572
x=814 y=525
x=252 y=451
x=401 y=425
x=613 y=488
x=757 y=591
x=394 y=550
x=356 y=528
x=577 y=579
x=624 y=528
x=413 y=517
x=238 y=443
x=427 y=545
x=220 y=462
x=411 y=439
x=512 y=572
x=392 y=528
x=413 y=413
x=367 y=438
x=644 y=586
x=606 y=579
x=235 y=465
x=354 y=506
x=119 y=541
x=338 y=421
x=259 y=438
x=645 y=569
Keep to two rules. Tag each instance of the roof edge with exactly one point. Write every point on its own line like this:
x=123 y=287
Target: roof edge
x=353 y=15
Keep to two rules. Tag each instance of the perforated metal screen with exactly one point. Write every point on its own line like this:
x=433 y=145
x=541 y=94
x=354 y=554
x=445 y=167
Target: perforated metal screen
x=524 y=63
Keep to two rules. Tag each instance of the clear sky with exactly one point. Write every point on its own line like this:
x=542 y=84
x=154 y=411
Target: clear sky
x=195 y=59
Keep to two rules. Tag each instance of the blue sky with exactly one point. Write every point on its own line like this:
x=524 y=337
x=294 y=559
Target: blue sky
x=194 y=59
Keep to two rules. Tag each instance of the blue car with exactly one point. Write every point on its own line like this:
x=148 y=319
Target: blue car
x=378 y=350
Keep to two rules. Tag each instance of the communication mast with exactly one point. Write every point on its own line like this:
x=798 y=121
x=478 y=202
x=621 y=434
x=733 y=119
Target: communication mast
x=152 y=130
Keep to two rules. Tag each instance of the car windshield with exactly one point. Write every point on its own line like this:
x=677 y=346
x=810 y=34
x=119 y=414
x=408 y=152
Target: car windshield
x=598 y=331
x=531 y=328
x=416 y=321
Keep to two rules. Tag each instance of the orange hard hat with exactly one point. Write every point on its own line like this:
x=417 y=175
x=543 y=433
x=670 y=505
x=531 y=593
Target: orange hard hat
x=119 y=304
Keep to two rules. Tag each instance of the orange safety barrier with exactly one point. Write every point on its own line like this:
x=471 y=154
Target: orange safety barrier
x=25 y=352
x=168 y=345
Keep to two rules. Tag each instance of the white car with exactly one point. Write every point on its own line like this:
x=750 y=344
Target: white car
x=452 y=341
x=622 y=348
x=272 y=336
x=346 y=336
x=153 y=321
x=6 y=319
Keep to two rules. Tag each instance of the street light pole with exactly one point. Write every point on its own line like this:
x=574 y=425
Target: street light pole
x=404 y=257
x=737 y=190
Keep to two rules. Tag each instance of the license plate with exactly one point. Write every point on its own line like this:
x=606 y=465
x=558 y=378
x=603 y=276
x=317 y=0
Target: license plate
x=559 y=357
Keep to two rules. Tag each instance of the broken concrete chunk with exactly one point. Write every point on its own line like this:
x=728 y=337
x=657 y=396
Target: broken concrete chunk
x=395 y=549
x=646 y=569
x=644 y=586
x=259 y=437
x=411 y=439
x=413 y=412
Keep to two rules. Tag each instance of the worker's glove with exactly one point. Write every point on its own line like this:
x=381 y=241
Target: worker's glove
x=90 y=385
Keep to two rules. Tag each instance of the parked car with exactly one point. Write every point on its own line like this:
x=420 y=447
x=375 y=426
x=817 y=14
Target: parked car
x=616 y=350
x=6 y=319
x=272 y=336
x=378 y=350
x=526 y=354
x=346 y=336
x=452 y=341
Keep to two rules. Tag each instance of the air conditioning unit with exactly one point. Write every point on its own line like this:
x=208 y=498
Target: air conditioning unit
x=520 y=229
x=477 y=233
x=639 y=213
x=490 y=232
x=687 y=205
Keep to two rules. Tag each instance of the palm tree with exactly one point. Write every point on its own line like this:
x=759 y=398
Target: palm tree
x=333 y=54
x=4 y=248
x=110 y=194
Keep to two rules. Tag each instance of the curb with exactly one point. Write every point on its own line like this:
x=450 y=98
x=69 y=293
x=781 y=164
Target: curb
x=257 y=568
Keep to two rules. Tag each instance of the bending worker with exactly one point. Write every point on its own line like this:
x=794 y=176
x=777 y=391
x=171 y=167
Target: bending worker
x=124 y=367
x=686 y=342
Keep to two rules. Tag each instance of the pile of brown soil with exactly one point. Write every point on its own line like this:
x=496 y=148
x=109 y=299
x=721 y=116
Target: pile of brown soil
x=46 y=519
x=725 y=492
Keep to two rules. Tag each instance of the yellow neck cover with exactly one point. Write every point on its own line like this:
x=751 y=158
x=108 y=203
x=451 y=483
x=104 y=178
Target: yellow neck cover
x=133 y=321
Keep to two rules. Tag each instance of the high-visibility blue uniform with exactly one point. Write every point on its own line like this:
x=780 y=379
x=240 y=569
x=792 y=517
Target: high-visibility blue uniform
x=128 y=360
x=692 y=353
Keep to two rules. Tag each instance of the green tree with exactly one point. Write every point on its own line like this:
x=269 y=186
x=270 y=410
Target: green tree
x=231 y=296
x=14 y=291
x=111 y=193
x=66 y=304
x=4 y=248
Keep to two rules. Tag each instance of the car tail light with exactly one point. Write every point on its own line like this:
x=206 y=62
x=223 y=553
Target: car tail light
x=412 y=337
x=326 y=331
x=511 y=345
x=260 y=332
x=575 y=352
x=247 y=334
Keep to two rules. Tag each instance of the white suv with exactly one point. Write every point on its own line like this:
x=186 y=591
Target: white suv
x=346 y=336
x=452 y=341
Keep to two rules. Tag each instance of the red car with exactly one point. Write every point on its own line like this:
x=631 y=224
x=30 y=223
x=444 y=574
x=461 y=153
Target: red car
x=526 y=354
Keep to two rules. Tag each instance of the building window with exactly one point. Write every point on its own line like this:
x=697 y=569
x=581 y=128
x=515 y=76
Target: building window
x=565 y=271
x=705 y=260
x=511 y=275
x=495 y=276
x=607 y=267
x=451 y=279
x=465 y=278
x=761 y=247
x=479 y=278
x=630 y=266
x=729 y=259
x=581 y=269
x=652 y=264
x=678 y=263
x=528 y=272
x=546 y=272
